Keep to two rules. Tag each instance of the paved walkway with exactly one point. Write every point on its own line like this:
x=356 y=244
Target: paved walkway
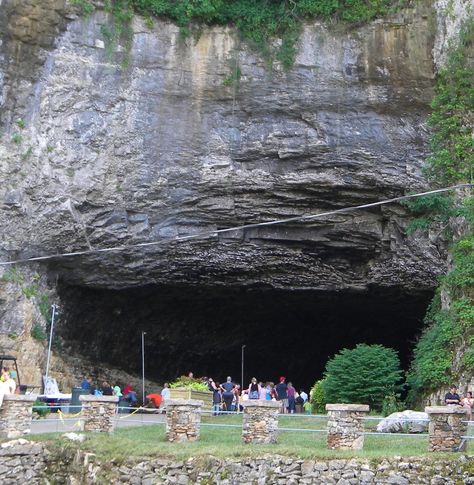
x=54 y=424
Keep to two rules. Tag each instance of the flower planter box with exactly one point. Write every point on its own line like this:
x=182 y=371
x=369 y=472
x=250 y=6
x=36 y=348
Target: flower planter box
x=183 y=393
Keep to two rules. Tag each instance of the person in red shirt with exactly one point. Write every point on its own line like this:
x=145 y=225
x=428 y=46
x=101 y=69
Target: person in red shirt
x=154 y=400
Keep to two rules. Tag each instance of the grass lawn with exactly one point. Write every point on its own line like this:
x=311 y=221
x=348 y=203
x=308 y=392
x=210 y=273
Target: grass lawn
x=225 y=441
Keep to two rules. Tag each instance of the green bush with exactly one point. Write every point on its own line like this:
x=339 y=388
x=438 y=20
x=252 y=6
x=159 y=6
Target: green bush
x=41 y=408
x=318 y=398
x=189 y=383
x=38 y=332
x=391 y=404
x=365 y=374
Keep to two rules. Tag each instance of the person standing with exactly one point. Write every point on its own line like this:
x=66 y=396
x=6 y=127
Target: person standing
x=291 y=393
x=216 y=396
x=281 y=390
x=303 y=396
x=254 y=389
x=467 y=402
x=238 y=397
x=452 y=397
x=165 y=392
x=228 y=393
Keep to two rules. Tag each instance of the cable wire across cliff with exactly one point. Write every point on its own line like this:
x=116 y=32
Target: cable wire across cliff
x=215 y=232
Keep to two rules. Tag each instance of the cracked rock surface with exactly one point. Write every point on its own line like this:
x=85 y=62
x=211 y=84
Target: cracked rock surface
x=121 y=145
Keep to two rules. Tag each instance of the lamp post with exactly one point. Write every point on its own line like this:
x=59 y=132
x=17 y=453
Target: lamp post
x=242 y=383
x=143 y=368
x=48 y=358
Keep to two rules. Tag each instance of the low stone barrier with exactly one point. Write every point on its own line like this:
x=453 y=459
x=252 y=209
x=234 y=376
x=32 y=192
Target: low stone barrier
x=16 y=415
x=446 y=428
x=345 y=426
x=22 y=461
x=98 y=413
x=260 y=421
x=183 y=419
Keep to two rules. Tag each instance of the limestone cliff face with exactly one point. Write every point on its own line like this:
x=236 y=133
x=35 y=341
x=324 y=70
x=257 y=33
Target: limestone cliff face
x=165 y=146
x=155 y=136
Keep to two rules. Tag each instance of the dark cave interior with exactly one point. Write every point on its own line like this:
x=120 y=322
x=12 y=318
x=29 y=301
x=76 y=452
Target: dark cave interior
x=202 y=329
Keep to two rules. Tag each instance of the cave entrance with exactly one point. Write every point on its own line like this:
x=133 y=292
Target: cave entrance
x=202 y=329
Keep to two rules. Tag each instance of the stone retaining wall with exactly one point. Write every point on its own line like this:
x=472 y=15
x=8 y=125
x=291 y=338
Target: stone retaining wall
x=26 y=462
x=16 y=415
x=21 y=461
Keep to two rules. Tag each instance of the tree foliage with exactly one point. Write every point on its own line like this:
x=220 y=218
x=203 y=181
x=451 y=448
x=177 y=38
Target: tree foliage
x=318 y=397
x=449 y=329
x=365 y=374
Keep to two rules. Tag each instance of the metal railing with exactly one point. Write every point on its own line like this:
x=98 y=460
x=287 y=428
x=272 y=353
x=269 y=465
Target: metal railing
x=131 y=416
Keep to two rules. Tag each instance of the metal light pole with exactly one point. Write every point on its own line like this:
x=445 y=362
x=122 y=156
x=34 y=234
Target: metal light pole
x=53 y=315
x=143 y=368
x=242 y=384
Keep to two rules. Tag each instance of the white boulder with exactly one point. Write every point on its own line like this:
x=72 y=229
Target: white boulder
x=404 y=422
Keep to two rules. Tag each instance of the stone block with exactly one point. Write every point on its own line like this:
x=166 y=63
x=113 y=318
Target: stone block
x=260 y=421
x=183 y=419
x=15 y=415
x=447 y=426
x=345 y=427
x=98 y=413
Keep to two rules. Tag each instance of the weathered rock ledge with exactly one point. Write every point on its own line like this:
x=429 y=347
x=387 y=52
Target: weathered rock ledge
x=116 y=156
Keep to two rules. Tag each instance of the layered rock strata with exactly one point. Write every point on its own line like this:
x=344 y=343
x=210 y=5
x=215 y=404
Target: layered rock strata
x=96 y=154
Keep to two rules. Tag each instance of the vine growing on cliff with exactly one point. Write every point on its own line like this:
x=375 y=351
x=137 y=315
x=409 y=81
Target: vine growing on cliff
x=260 y=22
x=450 y=328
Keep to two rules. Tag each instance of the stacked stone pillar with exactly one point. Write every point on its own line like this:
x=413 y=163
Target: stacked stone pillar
x=260 y=421
x=447 y=426
x=98 y=413
x=345 y=426
x=15 y=415
x=183 y=419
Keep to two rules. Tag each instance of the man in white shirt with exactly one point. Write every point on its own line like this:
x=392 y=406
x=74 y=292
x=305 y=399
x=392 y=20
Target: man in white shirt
x=303 y=396
x=165 y=392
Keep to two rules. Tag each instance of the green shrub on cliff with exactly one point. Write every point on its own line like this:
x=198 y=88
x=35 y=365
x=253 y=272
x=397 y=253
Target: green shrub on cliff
x=365 y=374
x=450 y=329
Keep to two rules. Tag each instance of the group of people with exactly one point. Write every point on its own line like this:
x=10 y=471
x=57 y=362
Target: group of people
x=105 y=389
x=452 y=398
x=127 y=394
x=228 y=396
